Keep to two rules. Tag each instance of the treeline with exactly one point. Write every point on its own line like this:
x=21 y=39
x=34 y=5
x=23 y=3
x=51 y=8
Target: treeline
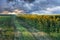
x=46 y=23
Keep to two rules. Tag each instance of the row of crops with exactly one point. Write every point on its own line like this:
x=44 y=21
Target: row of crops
x=45 y=23
x=42 y=23
x=6 y=28
x=24 y=33
x=30 y=27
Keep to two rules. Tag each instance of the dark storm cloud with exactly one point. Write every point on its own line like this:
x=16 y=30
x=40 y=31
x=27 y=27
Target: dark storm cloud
x=30 y=1
x=32 y=6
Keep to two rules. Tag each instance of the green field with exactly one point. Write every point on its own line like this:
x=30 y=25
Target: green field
x=30 y=27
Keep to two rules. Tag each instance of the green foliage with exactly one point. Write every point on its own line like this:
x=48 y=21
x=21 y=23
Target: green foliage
x=42 y=22
x=45 y=23
x=27 y=36
x=55 y=36
x=6 y=29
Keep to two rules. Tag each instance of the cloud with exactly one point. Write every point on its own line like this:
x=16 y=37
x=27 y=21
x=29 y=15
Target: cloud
x=42 y=6
x=37 y=6
x=53 y=10
x=42 y=12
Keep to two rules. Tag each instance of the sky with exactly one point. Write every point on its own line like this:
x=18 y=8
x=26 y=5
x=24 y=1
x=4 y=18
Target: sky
x=33 y=7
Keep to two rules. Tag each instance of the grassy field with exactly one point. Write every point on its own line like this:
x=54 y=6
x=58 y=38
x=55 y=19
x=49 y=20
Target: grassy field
x=30 y=27
x=6 y=28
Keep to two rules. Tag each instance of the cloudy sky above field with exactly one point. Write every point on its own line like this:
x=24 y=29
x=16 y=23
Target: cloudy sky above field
x=35 y=6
